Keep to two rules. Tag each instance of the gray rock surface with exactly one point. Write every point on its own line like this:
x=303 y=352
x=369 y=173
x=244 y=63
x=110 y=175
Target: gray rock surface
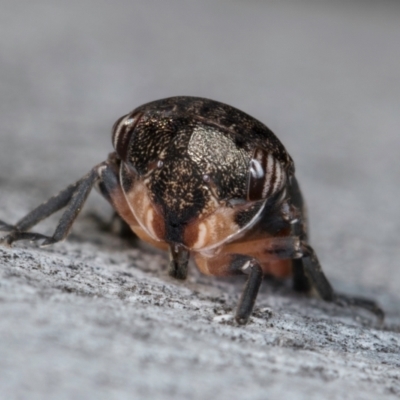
x=97 y=317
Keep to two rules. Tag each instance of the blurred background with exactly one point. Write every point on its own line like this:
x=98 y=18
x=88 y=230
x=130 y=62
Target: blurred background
x=324 y=76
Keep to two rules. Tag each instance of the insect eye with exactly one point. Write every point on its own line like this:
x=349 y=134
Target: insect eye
x=265 y=177
x=122 y=132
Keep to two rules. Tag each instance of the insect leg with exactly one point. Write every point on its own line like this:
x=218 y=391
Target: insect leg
x=307 y=272
x=319 y=281
x=301 y=283
x=361 y=302
x=313 y=270
x=73 y=198
x=46 y=209
x=250 y=291
x=236 y=264
x=179 y=258
x=291 y=247
x=109 y=186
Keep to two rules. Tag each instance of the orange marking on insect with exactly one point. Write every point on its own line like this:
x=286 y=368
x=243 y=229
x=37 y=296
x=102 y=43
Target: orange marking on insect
x=280 y=269
x=211 y=230
x=219 y=265
x=215 y=266
x=258 y=246
x=144 y=212
x=150 y=227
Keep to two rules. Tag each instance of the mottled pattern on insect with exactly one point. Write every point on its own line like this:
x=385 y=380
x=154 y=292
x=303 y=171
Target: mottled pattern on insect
x=201 y=179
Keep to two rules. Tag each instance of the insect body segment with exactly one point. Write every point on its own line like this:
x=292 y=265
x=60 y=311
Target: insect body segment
x=202 y=179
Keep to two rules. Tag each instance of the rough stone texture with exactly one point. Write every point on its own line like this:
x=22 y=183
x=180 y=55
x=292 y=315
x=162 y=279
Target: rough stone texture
x=98 y=317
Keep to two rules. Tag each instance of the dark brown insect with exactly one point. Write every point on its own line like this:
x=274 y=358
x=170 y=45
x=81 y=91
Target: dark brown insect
x=197 y=177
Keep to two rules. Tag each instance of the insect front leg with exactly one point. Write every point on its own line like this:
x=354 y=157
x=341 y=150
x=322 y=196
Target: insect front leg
x=297 y=217
x=72 y=199
x=179 y=258
x=247 y=258
x=250 y=291
x=313 y=270
x=272 y=249
x=307 y=271
x=236 y=264
x=308 y=261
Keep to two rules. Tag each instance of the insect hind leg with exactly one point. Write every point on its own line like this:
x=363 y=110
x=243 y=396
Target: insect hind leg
x=72 y=199
x=317 y=278
x=300 y=281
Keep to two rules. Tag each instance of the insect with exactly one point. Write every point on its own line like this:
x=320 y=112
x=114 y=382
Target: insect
x=200 y=178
